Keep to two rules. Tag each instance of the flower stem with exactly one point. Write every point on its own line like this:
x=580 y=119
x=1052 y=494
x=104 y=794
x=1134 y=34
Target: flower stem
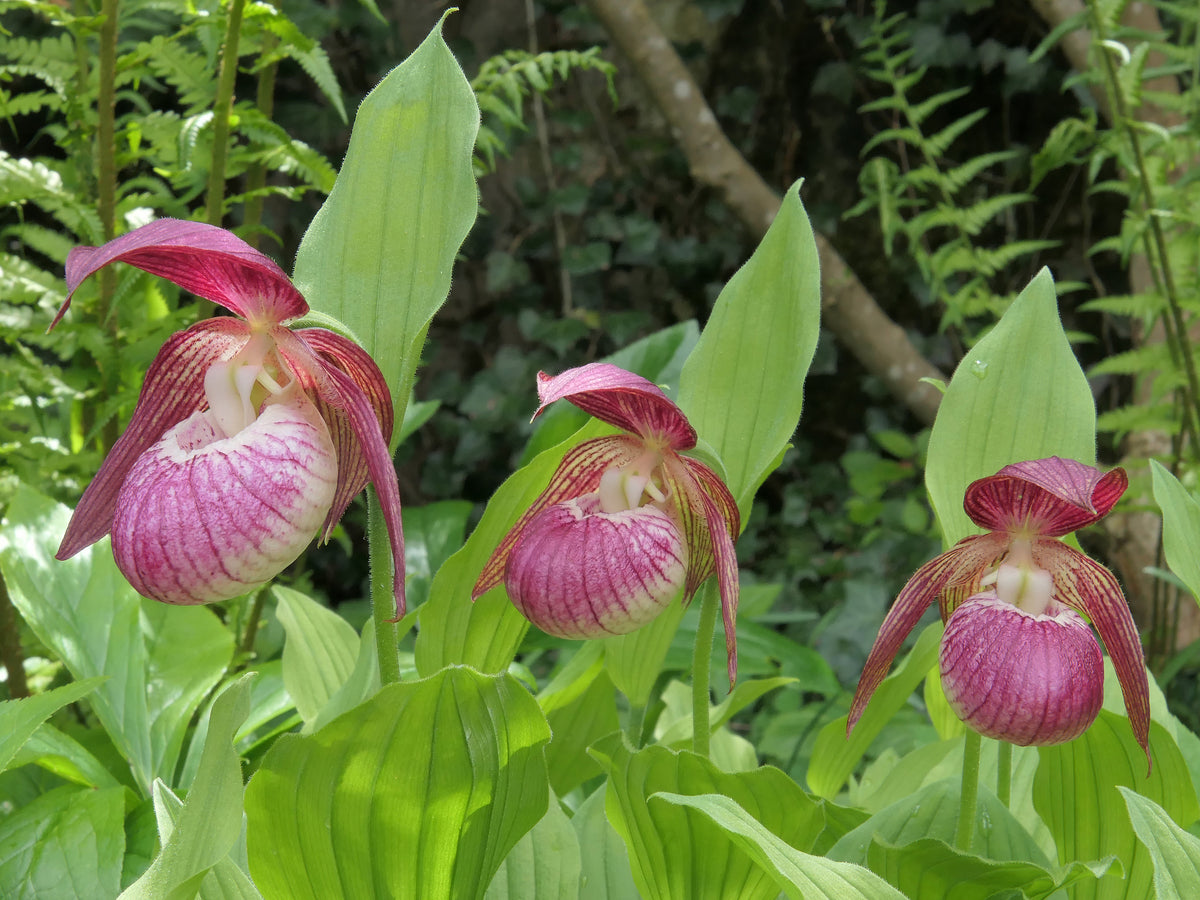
x=383 y=604
x=1004 y=772
x=969 y=797
x=702 y=666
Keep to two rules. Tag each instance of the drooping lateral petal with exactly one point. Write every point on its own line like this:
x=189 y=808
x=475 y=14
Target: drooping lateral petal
x=205 y=260
x=711 y=525
x=619 y=398
x=172 y=391
x=1085 y=585
x=339 y=390
x=578 y=474
x=963 y=564
x=346 y=355
x=1050 y=497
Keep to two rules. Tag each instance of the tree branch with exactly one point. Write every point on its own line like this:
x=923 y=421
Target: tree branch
x=848 y=308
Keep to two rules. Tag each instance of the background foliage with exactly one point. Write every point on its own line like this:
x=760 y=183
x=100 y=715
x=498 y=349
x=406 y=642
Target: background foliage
x=949 y=149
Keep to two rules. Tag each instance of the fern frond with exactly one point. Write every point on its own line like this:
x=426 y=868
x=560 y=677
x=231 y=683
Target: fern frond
x=22 y=282
x=1139 y=417
x=923 y=110
x=939 y=143
x=1143 y=360
x=1131 y=305
x=189 y=73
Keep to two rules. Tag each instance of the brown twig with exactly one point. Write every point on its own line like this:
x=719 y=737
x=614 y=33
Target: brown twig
x=849 y=310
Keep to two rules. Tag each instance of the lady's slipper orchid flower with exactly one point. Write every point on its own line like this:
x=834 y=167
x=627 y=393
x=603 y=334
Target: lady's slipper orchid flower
x=625 y=522
x=1018 y=662
x=248 y=436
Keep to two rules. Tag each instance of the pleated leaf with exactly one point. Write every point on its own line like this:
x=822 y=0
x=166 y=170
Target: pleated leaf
x=319 y=652
x=799 y=875
x=680 y=853
x=420 y=792
x=379 y=252
x=19 y=719
x=605 y=873
x=544 y=865
x=1018 y=394
x=1075 y=792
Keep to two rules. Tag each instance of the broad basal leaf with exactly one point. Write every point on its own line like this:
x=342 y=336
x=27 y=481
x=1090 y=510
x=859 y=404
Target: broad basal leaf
x=420 y=792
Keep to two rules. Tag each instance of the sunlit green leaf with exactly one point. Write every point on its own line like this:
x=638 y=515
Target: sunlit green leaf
x=1176 y=854
x=1018 y=394
x=677 y=852
x=65 y=845
x=605 y=873
x=544 y=865
x=160 y=661
x=485 y=634
x=319 y=653
x=419 y=792
x=19 y=719
x=211 y=819
x=378 y=254
x=799 y=875
x=834 y=755
x=1075 y=792
x=1181 y=526
x=743 y=386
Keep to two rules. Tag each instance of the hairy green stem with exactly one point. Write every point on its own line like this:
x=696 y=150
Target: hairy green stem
x=10 y=646
x=702 y=666
x=214 y=201
x=1004 y=753
x=383 y=604
x=969 y=798
x=250 y=630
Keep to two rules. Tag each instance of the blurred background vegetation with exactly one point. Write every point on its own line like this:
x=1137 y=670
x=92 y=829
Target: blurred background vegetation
x=949 y=149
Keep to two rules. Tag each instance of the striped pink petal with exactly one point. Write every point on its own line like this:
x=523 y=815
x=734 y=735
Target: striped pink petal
x=1085 y=585
x=578 y=474
x=578 y=572
x=711 y=522
x=205 y=260
x=342 y=353
x=202 y=517
x=1049 y=497
x=959 y=568
x=1018 y=677
x=620 y=398
x=340 y=390
x=172 y=391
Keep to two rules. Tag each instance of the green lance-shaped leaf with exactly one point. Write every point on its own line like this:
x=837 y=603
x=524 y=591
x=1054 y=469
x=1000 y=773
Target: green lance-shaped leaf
x=605 y=873
x=742 y=388
x=1075 y=792
x=1018 y=394
x=225 y=880
x=679 y=853
x=205 y=829
x=544 y=865
x=86 y=612
x=1176 y=854
x=834 y=755
x=66 y=844
x=319 y=653
x=19 y=719
x=485 y=634
x=933 y=868
x=1181 y=526
x=379 y=252
x=420 y=792
x=799 y=875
